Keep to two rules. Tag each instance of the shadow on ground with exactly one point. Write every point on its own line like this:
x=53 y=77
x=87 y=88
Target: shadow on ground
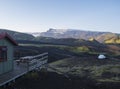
x=52 y=80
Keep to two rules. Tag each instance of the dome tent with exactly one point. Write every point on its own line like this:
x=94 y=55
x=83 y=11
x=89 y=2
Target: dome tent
x=101 y=56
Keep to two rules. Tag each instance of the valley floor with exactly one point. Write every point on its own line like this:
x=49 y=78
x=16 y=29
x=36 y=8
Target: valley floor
x=79 y=76
x=52 y=80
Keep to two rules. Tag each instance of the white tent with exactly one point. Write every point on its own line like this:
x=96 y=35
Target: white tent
x=101 y=56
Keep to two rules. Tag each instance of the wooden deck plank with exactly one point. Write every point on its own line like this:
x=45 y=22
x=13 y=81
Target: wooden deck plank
x=18 y=71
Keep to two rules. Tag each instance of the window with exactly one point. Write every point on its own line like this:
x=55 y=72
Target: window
x=3 y=53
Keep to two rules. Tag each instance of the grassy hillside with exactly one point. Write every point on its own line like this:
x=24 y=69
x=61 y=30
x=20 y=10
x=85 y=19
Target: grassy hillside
x=113 y=40
x=17 y=35
x=73 y=66
x=90 y=67
x=109 y=38
x=74 y=47
x=70 y=67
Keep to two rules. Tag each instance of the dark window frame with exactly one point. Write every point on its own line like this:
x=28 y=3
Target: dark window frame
x=3 y=53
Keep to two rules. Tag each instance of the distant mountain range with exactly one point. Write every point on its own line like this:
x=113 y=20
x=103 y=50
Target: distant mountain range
x=52 y=34
x=106 y=37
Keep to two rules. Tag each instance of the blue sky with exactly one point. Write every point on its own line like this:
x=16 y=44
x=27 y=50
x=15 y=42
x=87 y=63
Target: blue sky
x=40 y=15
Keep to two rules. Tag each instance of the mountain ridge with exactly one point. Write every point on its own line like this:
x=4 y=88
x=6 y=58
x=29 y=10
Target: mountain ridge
x=102 y=37
x=77 y=34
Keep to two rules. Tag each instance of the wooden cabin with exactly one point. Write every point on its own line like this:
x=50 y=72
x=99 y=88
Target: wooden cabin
x=7 y=44
x=9 y=68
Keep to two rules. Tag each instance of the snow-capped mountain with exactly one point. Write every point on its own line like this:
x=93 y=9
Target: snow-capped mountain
x=78 y=34
x=57 y=31
x=70 y=33
x=35 y=34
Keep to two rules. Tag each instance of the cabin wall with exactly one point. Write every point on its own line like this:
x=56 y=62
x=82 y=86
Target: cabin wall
x=7 y=65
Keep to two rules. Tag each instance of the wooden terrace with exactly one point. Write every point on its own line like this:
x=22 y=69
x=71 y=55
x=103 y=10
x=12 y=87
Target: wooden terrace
x=21 y=68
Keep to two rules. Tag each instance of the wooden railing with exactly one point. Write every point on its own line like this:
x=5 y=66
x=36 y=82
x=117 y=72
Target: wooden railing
x=34 y=62
x=38 y=61
x=23 y=66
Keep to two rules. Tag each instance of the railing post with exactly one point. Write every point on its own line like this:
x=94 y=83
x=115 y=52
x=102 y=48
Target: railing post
x=27 y=66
